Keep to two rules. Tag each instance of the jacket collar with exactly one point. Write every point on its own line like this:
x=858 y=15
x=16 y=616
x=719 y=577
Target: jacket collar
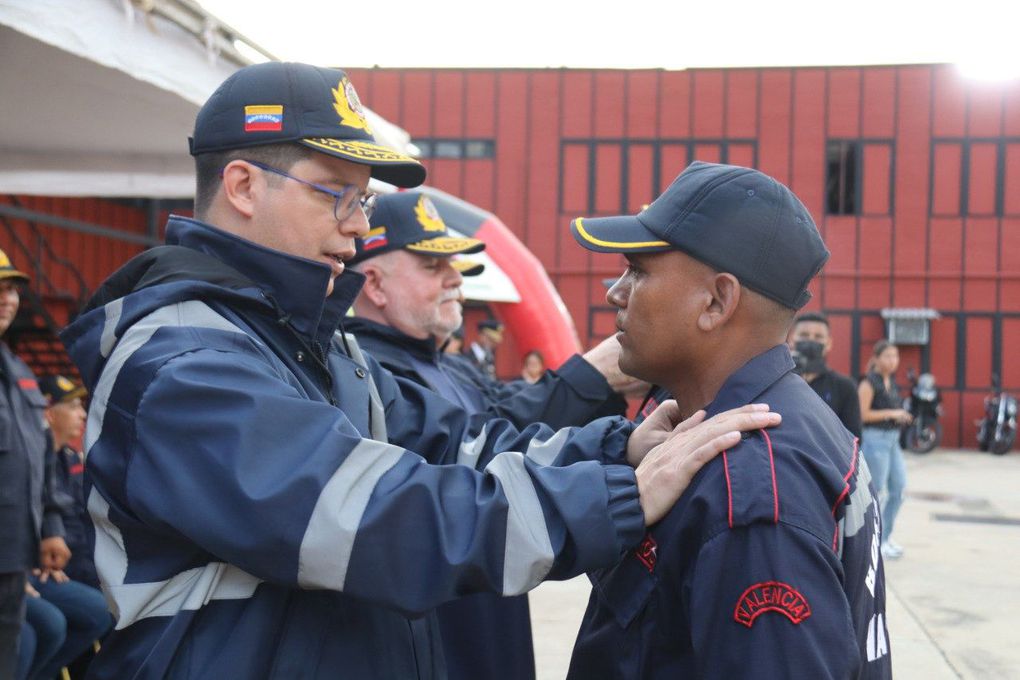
x=290 y=282
x=752 y=379
x=424 y=349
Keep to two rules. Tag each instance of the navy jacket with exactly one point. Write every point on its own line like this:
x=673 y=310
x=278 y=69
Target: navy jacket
x=484 y=635
x=27 y=507
x=251 y=519
x=69 y=495
x=767 y=567
x=574 y=394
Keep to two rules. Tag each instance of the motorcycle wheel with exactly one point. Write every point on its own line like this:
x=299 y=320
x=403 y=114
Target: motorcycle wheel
x=1001 y=445
x=925 y=438
x=982 y=436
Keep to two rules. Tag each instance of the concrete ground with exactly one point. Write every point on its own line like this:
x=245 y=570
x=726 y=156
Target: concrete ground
x=952 y=596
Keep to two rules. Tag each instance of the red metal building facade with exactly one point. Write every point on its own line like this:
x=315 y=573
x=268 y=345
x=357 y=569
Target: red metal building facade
x=912 y=173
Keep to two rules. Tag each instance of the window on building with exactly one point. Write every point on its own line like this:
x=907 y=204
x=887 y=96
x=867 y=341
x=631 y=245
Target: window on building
x=456 y=148
x=859 y=176
x=601 y=176
x=976 y=177
x=842 y=158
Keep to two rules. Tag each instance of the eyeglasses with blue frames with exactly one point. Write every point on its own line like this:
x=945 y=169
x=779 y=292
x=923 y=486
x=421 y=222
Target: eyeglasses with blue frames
x=345 y=201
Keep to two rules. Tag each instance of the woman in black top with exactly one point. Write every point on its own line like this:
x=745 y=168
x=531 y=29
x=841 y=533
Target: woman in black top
x=883 y=415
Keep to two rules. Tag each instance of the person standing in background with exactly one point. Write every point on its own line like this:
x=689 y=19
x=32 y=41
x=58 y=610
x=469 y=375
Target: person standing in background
x=31 y=531
x=483 y=350
x=811 y=341
x=883 y=415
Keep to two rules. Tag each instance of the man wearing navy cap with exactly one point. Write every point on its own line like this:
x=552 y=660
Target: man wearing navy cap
x=260 y=505
x=409 y=306
x=768 y=567
x=31 y=532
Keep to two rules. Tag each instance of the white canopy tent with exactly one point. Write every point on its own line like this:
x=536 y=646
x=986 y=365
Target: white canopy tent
x=100 y=97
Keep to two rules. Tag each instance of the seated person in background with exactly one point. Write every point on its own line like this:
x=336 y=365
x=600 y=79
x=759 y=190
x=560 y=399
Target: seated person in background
x=80 y=601
x=63 y=618
x=769 y=566
x=66 y=417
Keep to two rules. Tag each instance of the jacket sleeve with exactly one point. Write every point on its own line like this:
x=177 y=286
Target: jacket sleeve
x=574 y=394
x=766 y=601
x=472 y=439
x=232 y=457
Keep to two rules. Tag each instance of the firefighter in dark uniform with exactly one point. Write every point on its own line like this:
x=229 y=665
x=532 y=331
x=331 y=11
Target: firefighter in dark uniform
x=769 y=566
x=31 y=533
x=410 y=305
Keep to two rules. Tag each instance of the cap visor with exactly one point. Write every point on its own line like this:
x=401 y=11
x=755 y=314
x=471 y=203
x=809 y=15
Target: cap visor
x=387 y=164
x=468 y=267
x=78 y=392
x=14 y=274
x=447 y=245
x=624 y=234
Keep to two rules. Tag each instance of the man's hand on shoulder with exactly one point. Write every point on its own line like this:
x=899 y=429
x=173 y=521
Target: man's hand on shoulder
x=666 y=471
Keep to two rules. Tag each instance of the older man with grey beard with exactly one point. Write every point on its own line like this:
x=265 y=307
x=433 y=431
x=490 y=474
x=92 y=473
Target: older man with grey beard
x=408 y=308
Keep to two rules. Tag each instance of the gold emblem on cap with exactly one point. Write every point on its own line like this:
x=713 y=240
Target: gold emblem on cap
x=428 y=216
x=348 y=106
x=4 y=260
x=64 y=384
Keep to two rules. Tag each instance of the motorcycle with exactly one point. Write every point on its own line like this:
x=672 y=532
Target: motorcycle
x=997 y=430
x=925 y=405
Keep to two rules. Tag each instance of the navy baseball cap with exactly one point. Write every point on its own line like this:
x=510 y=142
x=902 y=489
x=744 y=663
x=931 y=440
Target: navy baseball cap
x=279 y=102
x=733 y=219
x=59 y=389
x=409 y=220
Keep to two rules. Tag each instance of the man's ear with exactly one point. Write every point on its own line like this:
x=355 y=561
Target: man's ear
x=240 y=187
x=373 y=288
x=724 y=297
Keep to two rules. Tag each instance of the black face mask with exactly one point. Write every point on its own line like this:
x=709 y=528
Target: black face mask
x=807 y=355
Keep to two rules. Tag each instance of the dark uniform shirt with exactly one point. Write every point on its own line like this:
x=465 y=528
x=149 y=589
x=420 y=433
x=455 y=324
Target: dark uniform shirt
x=767 y=567
x=840 y=393
x=27 y=511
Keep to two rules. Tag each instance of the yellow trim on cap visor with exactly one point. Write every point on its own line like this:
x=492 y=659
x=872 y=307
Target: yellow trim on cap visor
x=447 y=245
x=468 y=267
x=360 y=151
x=615 y=244
x=13 y=274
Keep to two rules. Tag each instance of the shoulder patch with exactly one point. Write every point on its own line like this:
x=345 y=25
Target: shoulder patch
x=771 y=596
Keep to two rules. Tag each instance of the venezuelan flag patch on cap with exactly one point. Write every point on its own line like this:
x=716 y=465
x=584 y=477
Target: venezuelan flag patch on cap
x=375 y=238
x=263 y=118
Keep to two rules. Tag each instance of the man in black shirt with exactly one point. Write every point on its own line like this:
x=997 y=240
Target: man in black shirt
x=811 y=340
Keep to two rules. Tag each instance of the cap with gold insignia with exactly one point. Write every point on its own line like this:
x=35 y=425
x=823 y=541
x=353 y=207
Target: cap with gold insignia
x=7 y=270
x=318 y=107
x=409 y=220
x=59 y=389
